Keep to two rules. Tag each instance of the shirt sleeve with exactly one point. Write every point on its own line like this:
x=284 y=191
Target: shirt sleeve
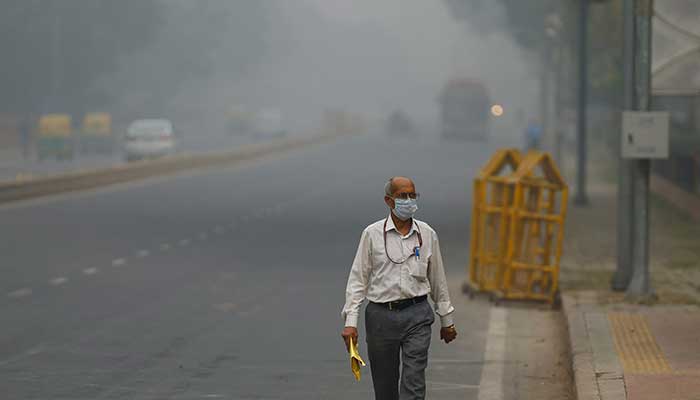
x=438 y=285
x=356 y=289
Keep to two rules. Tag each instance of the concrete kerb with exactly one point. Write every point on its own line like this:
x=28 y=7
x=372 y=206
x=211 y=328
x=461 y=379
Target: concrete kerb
x=596 y=367
x=83 y=180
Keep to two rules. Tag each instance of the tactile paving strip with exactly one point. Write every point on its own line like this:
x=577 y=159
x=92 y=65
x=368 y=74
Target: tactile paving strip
x=638 y=351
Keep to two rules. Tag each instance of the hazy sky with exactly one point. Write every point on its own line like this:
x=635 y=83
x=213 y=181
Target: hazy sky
x=378 y=55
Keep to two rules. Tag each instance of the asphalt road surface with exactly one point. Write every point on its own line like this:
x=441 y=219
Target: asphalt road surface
x=224 y=283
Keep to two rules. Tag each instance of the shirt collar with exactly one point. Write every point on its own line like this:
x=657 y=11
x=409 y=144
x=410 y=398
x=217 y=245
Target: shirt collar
x=390 y=225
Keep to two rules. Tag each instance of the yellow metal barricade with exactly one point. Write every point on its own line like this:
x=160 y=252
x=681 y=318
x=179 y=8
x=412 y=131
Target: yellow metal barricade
x=493 y=198
x=531 y=264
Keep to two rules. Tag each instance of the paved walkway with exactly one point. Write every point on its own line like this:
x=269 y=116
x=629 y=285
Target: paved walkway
x=625 y=351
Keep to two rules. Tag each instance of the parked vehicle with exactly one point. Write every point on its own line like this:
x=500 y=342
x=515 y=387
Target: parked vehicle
x=239 y=121
x=55 y=139
x=465 y=110
x=399 y=123
x=149 y=138
x=268 y=124
x=96 y=134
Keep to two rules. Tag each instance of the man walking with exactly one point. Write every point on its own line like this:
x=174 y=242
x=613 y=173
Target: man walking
x=397 y=265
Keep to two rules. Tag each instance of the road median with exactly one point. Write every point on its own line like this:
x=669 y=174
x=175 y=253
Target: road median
x=90 y=179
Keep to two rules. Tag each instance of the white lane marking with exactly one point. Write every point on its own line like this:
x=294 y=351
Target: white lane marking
x=165 y=247
x=24 y=292
x=90 y=271
x=117 y=262
x=491 y=385
x=450 y=386
x=58 y=281
x=29 y=353
x=184 y=242
x=143 y=253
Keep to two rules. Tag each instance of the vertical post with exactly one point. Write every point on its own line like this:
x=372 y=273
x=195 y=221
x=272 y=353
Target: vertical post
x=558 y=99
x=545 y=98
x=640 y=286
x=581 y=198
x=625 y=200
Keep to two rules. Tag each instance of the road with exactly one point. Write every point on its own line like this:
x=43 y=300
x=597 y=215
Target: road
x=225 y=283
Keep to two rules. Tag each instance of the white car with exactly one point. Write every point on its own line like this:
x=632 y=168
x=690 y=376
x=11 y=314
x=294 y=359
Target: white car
x=268 y=124
x=149 y=138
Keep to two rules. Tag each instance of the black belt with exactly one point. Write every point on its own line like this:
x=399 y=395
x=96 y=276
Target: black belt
x=399 y=305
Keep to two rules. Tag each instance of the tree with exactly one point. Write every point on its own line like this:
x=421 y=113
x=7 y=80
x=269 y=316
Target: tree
x=53 y=51
x=527 y=21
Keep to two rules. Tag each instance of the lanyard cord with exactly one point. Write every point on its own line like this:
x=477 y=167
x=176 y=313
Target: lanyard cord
x=386 y=249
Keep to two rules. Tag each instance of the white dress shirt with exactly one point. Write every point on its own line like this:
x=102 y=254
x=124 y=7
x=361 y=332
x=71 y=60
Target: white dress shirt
x=374 y=277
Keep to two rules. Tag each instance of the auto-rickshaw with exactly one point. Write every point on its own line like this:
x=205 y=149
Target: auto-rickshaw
x=96 y=133
x=55 y=137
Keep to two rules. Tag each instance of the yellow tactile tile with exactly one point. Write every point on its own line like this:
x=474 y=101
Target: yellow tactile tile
x=639 y=353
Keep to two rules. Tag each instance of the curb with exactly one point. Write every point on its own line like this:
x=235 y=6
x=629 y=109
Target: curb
x=595 y=364
x=84 y=180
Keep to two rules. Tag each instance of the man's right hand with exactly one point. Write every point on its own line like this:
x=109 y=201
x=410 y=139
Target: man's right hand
x=349 y=333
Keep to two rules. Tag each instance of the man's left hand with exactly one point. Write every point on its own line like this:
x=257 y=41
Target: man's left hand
x=448 y=334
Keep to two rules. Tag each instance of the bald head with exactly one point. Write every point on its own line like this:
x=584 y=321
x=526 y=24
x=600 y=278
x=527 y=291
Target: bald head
x=399 y=184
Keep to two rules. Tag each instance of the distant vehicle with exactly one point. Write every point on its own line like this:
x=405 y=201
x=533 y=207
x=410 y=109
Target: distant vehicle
x=96 y=134
x=239 y=121
x=465 y=110
x=399 y=124
x=149 y=138
x=55 y=137
x=268 y=124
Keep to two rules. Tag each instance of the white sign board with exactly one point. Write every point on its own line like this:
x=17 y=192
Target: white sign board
x=645 y=134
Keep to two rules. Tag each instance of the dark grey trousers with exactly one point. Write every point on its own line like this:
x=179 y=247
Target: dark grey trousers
x=394 y=338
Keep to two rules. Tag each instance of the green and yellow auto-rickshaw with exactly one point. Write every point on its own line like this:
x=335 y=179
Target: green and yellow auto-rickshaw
x=55 y=137
x=96 y=133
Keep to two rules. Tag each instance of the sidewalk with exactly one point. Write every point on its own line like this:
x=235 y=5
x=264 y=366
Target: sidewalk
x=623 y=351
x=632 y=351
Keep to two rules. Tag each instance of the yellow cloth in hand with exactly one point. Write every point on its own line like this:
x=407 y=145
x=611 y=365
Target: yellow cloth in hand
x=355 y=360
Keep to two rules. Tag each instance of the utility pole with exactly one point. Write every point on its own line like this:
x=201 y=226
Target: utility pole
x=625 y=200
x=581 y=198
x=640 y=287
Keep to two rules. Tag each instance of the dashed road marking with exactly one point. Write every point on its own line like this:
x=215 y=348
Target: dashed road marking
x=90 y=271
x=143 y=253
x=61 y=280
x=24 y=292
x=165 y=247
x=118 y=262
x=184 y=242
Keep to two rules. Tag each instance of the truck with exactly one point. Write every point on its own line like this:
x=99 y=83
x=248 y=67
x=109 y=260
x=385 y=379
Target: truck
x=465 y=109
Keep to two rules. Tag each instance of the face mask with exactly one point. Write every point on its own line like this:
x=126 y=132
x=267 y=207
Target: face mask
x=404 y=209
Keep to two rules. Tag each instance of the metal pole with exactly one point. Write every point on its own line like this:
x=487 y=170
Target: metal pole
x=581 y=198
x=545 y=98
x=625 y=200
x=558 y=99
x=640 y=285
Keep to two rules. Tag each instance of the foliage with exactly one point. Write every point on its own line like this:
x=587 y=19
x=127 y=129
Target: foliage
x=52 y=51
x=527 y=22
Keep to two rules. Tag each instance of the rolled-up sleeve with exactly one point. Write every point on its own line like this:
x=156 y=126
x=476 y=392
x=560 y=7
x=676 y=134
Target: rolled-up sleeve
x=356 y=289
x=438 y=285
